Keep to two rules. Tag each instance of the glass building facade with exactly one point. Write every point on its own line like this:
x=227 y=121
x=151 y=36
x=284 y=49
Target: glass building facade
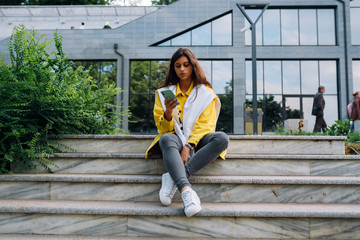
x=299 y=46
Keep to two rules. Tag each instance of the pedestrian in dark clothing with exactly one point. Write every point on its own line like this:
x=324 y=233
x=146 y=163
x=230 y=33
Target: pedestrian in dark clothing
x=318 y=110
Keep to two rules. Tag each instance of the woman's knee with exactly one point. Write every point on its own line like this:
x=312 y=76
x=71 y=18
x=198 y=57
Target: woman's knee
x=222 y=139
x=167 y=140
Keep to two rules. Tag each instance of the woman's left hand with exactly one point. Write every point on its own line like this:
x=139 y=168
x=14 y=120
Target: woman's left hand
x=185 y=154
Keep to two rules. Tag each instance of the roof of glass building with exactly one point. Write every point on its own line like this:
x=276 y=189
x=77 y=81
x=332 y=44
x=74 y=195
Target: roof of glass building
x=66 y=17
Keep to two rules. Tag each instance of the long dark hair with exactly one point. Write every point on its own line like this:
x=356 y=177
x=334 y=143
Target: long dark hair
x=197 y=76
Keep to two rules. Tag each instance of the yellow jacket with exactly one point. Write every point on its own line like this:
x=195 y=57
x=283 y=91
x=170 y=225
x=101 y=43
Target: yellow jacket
x=206 y=123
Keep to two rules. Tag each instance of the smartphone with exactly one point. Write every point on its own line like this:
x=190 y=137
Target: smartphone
x=169 y=94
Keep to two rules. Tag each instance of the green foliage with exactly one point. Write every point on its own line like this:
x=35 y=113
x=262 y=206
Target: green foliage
x=281 y=131
x=43 y=94
x=162 y=2
x=353 y=137
x=56 y=2
x=339 y=129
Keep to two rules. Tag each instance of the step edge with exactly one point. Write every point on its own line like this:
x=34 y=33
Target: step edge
x=151 y=179
x=176 y=209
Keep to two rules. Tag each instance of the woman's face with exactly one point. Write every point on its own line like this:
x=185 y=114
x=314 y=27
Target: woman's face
x=183 y=68
x=357 y=95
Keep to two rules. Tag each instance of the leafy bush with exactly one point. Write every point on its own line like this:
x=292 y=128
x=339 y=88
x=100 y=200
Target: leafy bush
x=339 y=129
x=43 y=94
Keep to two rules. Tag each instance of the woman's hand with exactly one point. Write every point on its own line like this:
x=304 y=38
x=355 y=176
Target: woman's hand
x=170 y=106
x=185 y=154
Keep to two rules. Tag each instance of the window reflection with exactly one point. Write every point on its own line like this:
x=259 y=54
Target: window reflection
x=272 y=77
x=309 y=77
x=328 y=73
x=216 y=32
x=308 y=34
x=289 y=27
x=222 y=76
x=206 y=66
x=326 y=26
x=331 y=109
x=253 y=14
x=221 y=31
x=183 y=39
x=356 y=76
x=291 y=77
x=201 y=35
x=271 y=23
x=355 y=25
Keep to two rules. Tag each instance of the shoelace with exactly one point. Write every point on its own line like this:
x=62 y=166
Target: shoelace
x=187 y=198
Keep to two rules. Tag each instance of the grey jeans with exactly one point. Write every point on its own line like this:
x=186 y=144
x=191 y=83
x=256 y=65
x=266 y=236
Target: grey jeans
x=208 y=149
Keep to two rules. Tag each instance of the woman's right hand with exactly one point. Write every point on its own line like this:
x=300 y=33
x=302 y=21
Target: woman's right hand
x=170 y=106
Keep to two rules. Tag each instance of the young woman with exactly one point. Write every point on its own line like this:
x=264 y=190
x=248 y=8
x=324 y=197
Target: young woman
x=186 y=128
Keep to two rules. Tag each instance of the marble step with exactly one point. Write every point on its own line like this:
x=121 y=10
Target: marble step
x=239 y=144
x=227 y=189
x=235 y=164
x=148 y=219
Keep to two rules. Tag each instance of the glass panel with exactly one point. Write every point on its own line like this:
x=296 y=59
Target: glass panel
x=253 y=14
x=158 y=72
x=308 y=119
x=272 y=77
x=355 y=3
x=272 y=108
x=326 y=26
x=309 y=77
x=271 y=22
x=248 y=76
x=206 y=66
x=225 y=121
x=356 y=76
x=289 y=27
x=222 y=77
x=141 y=109
x=331 y=109
x=108 y=72
x=167 y=43
x=292 y=107
x=355 y=25
x=201 y=35
x=308 y=35
x=222 y=30
x=139 y=76
x=291 y=77
x=259 y=76
x=182 y=40
x=328 y=76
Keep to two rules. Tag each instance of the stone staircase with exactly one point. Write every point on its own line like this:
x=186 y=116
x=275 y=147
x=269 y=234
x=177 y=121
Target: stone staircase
x=270 y=187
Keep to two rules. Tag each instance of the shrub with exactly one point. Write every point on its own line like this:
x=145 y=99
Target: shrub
x=43 y=94
x=339 y=129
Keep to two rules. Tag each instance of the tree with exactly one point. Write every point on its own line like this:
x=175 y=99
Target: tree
x=162 y=2
x=56 y=2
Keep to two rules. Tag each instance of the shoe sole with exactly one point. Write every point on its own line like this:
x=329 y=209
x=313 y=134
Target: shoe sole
x=194 y=211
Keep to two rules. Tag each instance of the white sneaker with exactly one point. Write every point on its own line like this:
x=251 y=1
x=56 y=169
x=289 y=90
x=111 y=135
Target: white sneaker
x=191 y=202
x=168 y=189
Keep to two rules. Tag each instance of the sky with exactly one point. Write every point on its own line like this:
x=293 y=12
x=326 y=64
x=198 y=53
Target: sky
x=132 y=2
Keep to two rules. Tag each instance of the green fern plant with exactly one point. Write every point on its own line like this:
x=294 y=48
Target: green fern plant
x=42 y=94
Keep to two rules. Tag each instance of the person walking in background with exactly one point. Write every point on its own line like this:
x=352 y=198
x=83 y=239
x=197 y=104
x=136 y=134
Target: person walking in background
x=355 y=108
x=318 y=110
x=186 y=123
x=349 y=108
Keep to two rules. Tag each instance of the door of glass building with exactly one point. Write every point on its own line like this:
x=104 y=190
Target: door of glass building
x=296 y=107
